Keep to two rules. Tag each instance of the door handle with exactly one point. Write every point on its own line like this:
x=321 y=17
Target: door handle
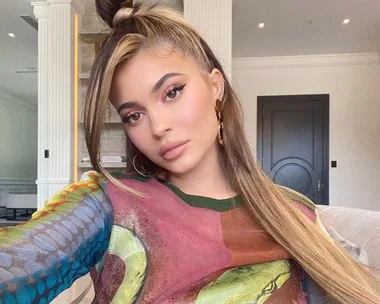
x=319 y=186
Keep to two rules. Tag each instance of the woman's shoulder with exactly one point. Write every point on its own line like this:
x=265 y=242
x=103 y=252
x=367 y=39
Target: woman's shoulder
x=130 y=176
x=131 y=184
x=103 y=181
x=306 y=205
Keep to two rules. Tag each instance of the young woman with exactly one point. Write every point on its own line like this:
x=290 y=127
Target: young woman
x=195 y=220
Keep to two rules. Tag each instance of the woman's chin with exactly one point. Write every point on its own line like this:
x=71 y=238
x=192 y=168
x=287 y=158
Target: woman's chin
x=180 y=166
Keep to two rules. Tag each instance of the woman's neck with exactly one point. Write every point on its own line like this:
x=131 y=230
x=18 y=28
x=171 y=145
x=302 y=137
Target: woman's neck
x=208 y=178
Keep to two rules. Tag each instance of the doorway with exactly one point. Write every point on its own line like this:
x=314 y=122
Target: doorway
x=293 y=143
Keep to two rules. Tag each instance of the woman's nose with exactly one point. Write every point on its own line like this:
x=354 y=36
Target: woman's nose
x=160 y=123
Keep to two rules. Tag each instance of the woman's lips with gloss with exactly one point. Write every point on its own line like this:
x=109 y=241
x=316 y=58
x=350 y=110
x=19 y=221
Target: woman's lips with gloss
x=172 y=150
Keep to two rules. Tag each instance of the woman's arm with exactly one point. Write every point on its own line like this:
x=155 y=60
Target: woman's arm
x=44 y=256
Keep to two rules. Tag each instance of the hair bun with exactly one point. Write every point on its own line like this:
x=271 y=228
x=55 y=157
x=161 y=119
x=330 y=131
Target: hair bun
x=107 y=9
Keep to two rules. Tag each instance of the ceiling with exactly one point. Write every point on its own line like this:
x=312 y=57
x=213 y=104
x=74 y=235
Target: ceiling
x=292 y=27
x=19 y=53
x=305 y=27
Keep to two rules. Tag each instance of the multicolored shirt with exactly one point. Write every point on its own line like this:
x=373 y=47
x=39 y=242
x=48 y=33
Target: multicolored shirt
x=169 y=247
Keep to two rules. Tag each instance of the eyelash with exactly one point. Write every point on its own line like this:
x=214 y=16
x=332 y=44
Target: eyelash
x=127 y=117
x=175 y=88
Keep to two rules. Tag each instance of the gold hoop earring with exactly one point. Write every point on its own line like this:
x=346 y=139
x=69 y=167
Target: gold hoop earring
x=220 y=134
x=218 y=106
x=218 y=110
x=146 y=171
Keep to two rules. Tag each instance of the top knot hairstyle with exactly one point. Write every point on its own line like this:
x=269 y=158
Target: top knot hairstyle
x=144 y=27
x=112 y=12
x=107 y=9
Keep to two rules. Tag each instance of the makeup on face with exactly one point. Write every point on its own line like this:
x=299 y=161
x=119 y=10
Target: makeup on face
x=172 y=150
x=167 y=105
x=169 y=94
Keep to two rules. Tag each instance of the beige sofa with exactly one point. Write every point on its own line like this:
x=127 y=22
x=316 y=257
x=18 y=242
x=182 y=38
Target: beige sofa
x=356 y=226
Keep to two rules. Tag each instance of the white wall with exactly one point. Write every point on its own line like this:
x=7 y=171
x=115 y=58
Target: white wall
x=353 y=82
x=18 y=140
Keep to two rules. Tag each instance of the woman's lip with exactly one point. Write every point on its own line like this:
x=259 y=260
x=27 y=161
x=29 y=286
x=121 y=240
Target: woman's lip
x=171 y=146
x=175 y=153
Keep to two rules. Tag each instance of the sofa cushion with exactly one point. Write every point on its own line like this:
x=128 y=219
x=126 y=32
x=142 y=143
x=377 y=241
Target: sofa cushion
x=357 y=227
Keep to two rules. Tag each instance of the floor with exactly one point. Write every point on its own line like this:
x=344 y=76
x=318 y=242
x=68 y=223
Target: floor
x=5 y=223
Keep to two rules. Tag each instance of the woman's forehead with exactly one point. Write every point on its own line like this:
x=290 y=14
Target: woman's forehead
x=141 y=73
x=150 y=65
x=157 y=58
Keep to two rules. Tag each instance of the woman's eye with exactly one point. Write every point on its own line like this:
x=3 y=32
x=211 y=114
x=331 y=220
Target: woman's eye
x=132 y=118
x=173 y=93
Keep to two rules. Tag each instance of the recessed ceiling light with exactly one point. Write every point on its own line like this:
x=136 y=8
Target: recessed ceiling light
x=261 y=25
x=346 y=21
x=11 y=35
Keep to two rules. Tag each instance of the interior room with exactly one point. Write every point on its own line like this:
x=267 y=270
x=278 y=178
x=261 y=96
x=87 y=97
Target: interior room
x=307 y=74
x=18 y=111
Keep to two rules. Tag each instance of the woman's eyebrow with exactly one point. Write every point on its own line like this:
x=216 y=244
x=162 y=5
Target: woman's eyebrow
x=157 y=86
x=126 y=105
x=161 y=81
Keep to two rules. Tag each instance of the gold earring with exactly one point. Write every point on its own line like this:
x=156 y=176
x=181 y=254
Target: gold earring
x=220 y=134
x=218 y=110
x=218 y=106
x=146 y=171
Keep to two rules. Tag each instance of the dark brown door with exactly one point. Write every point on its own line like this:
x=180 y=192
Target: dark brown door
x=293 y=142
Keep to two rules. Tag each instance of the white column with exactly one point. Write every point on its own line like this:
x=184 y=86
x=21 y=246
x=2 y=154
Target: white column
x=56 y=93
x=41 y=11
x=213 y=19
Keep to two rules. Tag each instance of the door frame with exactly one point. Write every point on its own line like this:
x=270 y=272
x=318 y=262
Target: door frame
x=325 y=98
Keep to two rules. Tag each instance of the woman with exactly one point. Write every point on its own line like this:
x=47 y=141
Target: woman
x=195 y=220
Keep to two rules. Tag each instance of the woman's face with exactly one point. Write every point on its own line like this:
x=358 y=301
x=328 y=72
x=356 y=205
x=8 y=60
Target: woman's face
x=167 y=106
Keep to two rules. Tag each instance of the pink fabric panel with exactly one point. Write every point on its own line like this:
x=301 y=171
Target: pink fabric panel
x=306 y=211
x=184 y=243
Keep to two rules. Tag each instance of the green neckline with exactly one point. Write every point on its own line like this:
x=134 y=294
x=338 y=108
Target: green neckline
x=192 y=200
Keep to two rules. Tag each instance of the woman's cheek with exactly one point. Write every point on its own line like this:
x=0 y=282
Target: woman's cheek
x=142 y=140
x=134 y=138
x=191 y=111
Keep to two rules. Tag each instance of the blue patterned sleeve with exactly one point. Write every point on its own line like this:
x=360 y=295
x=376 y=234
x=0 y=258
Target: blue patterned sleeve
x=44 y=256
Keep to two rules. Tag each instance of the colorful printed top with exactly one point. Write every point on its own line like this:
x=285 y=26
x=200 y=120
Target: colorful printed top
x=169 y=247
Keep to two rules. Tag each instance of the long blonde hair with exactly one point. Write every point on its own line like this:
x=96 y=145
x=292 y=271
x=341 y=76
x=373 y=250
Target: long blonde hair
x=341 y=278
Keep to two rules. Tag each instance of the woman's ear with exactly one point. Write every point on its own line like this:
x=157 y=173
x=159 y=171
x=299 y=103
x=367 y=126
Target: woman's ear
x=217 y=84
